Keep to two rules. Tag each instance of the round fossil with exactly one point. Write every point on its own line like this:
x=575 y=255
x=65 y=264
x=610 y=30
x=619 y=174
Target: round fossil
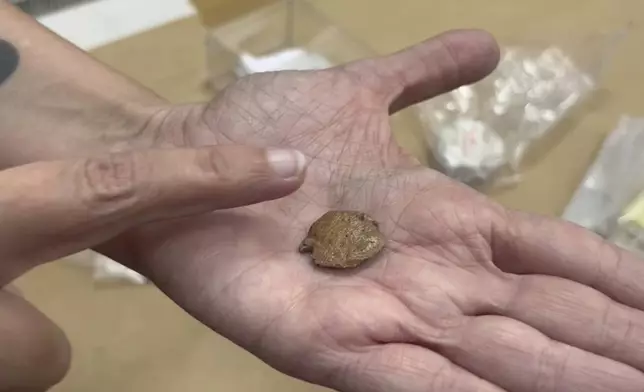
x=343 y=239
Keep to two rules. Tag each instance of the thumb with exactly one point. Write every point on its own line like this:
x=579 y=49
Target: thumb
x=431 y=68
x=51 y=209
x=35 y=353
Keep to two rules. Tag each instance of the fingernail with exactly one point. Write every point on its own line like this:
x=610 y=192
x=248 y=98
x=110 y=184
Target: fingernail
x=287 y=163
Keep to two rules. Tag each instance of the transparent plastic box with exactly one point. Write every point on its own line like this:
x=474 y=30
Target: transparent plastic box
x=286 y=35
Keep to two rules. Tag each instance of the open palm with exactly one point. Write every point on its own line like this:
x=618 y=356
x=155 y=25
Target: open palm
x=467 y=296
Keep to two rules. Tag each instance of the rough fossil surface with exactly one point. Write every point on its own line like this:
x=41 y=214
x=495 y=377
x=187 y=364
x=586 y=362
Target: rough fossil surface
x=343 y=239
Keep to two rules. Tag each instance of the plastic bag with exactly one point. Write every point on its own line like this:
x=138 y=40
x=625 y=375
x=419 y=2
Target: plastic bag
x=613 y=181
x=479 y=134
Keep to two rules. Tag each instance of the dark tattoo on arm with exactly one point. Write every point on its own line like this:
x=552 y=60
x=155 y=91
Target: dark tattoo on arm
x=9 y=59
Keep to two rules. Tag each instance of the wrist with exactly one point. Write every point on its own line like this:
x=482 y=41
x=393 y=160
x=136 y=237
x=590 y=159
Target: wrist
x=57 y=101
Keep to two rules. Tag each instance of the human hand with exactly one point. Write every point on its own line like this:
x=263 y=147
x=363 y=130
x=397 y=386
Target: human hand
x=467 y=296
x=53 y=209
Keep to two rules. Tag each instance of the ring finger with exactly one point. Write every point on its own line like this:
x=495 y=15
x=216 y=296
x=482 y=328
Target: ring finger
x=519 y=358
x=580 y=316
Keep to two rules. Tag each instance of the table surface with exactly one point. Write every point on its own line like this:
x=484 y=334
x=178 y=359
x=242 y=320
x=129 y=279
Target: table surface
x=134 y=339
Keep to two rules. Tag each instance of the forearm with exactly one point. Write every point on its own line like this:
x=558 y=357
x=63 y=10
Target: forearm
x=59 y=102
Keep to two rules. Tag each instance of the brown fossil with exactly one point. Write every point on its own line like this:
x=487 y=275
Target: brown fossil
x=343 y=239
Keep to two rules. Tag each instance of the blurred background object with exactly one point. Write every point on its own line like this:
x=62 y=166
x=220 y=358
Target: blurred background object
x=610 y=199
x=40 y=7
x=283 y=35
x=612 y=182
x=480 y=134
x=95 y=23
x=213 y=13
x=629 y=231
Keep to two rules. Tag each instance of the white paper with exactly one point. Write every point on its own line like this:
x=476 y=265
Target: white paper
x=294 y=59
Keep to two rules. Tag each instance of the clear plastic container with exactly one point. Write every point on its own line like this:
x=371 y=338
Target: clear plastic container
x=287 y=35
x=629 y=233
x=630 y=236
x=614 y=179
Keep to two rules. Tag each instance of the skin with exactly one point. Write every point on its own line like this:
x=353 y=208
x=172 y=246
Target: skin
x=468 y=296
x=56 y=204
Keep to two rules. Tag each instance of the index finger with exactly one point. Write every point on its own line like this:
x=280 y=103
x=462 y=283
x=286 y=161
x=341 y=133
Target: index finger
x=53 y=209
x=35 y=353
